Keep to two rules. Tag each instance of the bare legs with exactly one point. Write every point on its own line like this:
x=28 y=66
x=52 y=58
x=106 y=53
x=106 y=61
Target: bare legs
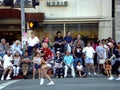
x=9 y=73
x=44 y=74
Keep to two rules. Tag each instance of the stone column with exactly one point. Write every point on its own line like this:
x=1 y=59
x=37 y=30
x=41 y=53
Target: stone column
x=105 y=29
x=117 y=20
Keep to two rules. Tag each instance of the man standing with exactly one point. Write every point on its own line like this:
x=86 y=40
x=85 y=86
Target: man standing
x=80 y=40
x=89 y=55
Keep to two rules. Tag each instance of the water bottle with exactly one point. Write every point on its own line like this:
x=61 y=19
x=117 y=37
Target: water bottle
x=69 y=48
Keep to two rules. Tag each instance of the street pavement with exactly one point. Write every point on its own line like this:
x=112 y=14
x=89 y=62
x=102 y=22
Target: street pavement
x=89 y=83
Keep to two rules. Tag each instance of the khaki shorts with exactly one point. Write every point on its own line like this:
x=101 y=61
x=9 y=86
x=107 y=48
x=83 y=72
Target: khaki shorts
x=25 y=67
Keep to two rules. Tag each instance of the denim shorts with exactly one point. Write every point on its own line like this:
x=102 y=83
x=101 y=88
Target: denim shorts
x=36 y=66
x=89 y=60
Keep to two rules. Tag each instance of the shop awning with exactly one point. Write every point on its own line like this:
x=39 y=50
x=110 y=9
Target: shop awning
x=15 y=14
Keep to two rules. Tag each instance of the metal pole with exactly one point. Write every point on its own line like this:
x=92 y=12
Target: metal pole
x=64 y=29
x=22 y=20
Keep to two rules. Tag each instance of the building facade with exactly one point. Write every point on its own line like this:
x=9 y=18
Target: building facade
x=117 y=20
x=90 y=18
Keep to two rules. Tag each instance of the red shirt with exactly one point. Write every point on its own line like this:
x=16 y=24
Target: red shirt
x=48 y=54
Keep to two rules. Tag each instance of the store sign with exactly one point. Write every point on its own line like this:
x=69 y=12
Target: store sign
x=57 y=3
x=17 y=3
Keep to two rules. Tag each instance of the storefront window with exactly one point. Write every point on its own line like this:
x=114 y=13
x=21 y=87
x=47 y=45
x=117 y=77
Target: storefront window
x=86 y=30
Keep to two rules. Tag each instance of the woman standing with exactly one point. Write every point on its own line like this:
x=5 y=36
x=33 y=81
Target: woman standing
x=47 y=64
x=100 y=55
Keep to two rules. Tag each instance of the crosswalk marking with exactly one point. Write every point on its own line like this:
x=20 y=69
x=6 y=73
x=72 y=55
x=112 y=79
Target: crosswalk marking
x=7 y=84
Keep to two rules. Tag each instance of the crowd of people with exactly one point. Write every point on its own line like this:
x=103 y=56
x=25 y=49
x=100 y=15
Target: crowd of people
x=63 y=55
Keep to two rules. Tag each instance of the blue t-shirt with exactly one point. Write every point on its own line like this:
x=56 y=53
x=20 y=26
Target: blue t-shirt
x=59 y=39
x=68 y=39
x=68 y=60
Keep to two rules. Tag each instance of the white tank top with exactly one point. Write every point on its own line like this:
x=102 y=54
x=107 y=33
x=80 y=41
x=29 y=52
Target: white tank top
x=37 y=60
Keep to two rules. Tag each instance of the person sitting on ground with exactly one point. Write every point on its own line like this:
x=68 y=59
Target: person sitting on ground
x=107 y=68
x=59 y=71
x=59 y=42
x=3 y=47
x=68 y=41
x=119 y=73
x=16 y=64
x=16 y=47
x=37 y=60
x=0 y=62
x=80 y=69
x=68 y=60
x=33 y=42
x=7 y=65
x=25 y=64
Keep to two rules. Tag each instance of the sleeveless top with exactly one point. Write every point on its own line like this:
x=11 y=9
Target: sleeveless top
x=37 y=60
x=78 y=51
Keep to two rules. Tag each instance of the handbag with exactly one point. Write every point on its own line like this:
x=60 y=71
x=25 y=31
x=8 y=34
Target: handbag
x=101 y=61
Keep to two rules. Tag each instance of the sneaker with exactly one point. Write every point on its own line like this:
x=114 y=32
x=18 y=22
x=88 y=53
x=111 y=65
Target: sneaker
x=51 y=83
x=111 y=78
x=41 y=81
x=65 y=76
x=84 y=75
x=33 y=78
x=89 y=73
x=95 y=73
x=8 y=78
x=16 y=74
x=118 y=78
x=2 y=78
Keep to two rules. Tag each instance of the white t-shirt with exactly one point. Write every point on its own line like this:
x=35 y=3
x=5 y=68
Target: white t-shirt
x=7 y=60
x=32 y=42
x=79 y=67
x=89 y=52
x=16 y=60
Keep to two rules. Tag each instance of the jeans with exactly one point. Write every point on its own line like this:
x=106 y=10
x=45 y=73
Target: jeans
x=2 y=54
x=31 y=47
x=76 y=61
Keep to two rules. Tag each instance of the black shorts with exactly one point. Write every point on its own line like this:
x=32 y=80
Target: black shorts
x=36 y=66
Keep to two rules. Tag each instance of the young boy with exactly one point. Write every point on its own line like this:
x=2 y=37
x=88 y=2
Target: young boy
x=25 y=64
